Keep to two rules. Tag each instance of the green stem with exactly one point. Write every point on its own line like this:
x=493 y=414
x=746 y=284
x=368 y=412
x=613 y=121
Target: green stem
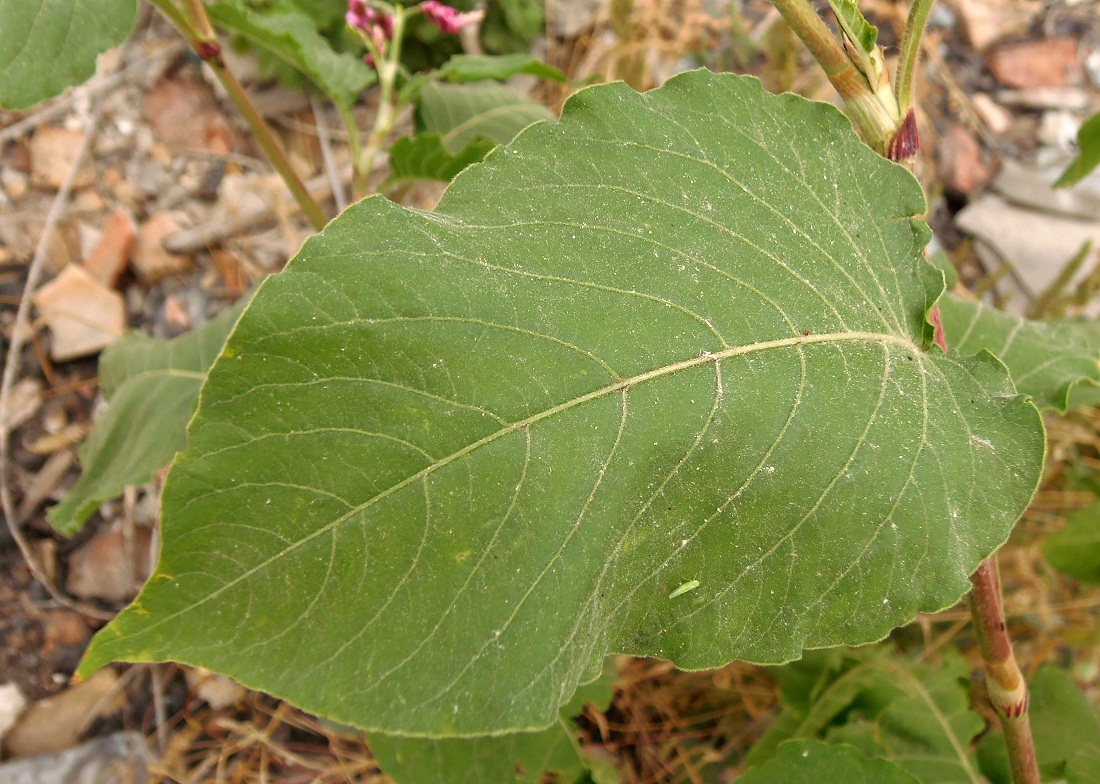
x=741 y=45
x=270 y=145
x=389 y=105
x=196 y=12
x=909 y=52
x=194 y=25
x=352 y=129
x=1007 y=689
x=859 y=96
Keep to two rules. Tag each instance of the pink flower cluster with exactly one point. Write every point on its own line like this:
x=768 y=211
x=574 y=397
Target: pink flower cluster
x=374 y=25
x=370 y=22
x=448 y=19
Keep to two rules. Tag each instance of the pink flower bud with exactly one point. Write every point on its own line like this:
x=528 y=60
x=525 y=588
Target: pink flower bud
x=448 y=19
x=370 y=22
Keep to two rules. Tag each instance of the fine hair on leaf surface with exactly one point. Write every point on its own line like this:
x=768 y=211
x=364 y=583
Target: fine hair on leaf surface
x=448 y=461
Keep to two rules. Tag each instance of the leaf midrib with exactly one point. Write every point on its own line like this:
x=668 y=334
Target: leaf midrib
x=704 y=358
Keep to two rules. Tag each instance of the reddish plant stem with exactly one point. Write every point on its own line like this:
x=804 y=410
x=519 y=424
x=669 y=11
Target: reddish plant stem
x=1005 y=683
x=194 y=25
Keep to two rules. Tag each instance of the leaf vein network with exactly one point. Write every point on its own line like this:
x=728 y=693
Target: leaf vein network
x=628 y=292
x=796 y=342
x=813 y=194
x=795 y=228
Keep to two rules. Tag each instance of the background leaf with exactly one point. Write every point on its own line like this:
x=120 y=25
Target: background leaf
x=294 y=38
x=495 y=759
x=855 y=26
x=425 y=157
x=1056 y=362
x=461 y=112
x=476 y=68
x=1075 y=550
x=152 y=386
x=1088 y=153
x=819 y=692
x=813 y=762
x=471 y=452
x=917 y=716
x=928 y=730
x=510 y=25
x=48 y=46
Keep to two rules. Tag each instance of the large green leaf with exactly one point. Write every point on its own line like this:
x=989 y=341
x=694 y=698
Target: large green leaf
x=1056 y=362
x=465 y=454
x=813 y=762
x=293 y=37
x=48 y=45
x=495 y=759
x=460 y=113
x=1075 y=549
x=152 y=386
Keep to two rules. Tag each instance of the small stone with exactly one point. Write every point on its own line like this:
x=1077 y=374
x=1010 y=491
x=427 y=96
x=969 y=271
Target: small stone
x=62 y=247
x=183 y=112
x=1038 y=243
x=55 y=723
x=12 y=703
x=1072 y=98
x=17 y=155
x=112 y=565
x=150 y=260
x=1092 y=67
x=231 y=271
x=985 y=21
x=53 y=151
x=83 y=315
x=218 y=691
x=87 y=202
x=111 y=253
x=1058 y=129
x=24 y=402
x=161 y=154
x=175 y=314
x=129 y=195
x=1045 y=63
x=15 y=183
x=959 y=160
x=64 y=628
x=995 y=116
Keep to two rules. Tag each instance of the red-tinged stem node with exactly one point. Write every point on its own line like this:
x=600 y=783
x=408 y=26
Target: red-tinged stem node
x=1005 y=683
x=209 y=50
x=906 y=141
